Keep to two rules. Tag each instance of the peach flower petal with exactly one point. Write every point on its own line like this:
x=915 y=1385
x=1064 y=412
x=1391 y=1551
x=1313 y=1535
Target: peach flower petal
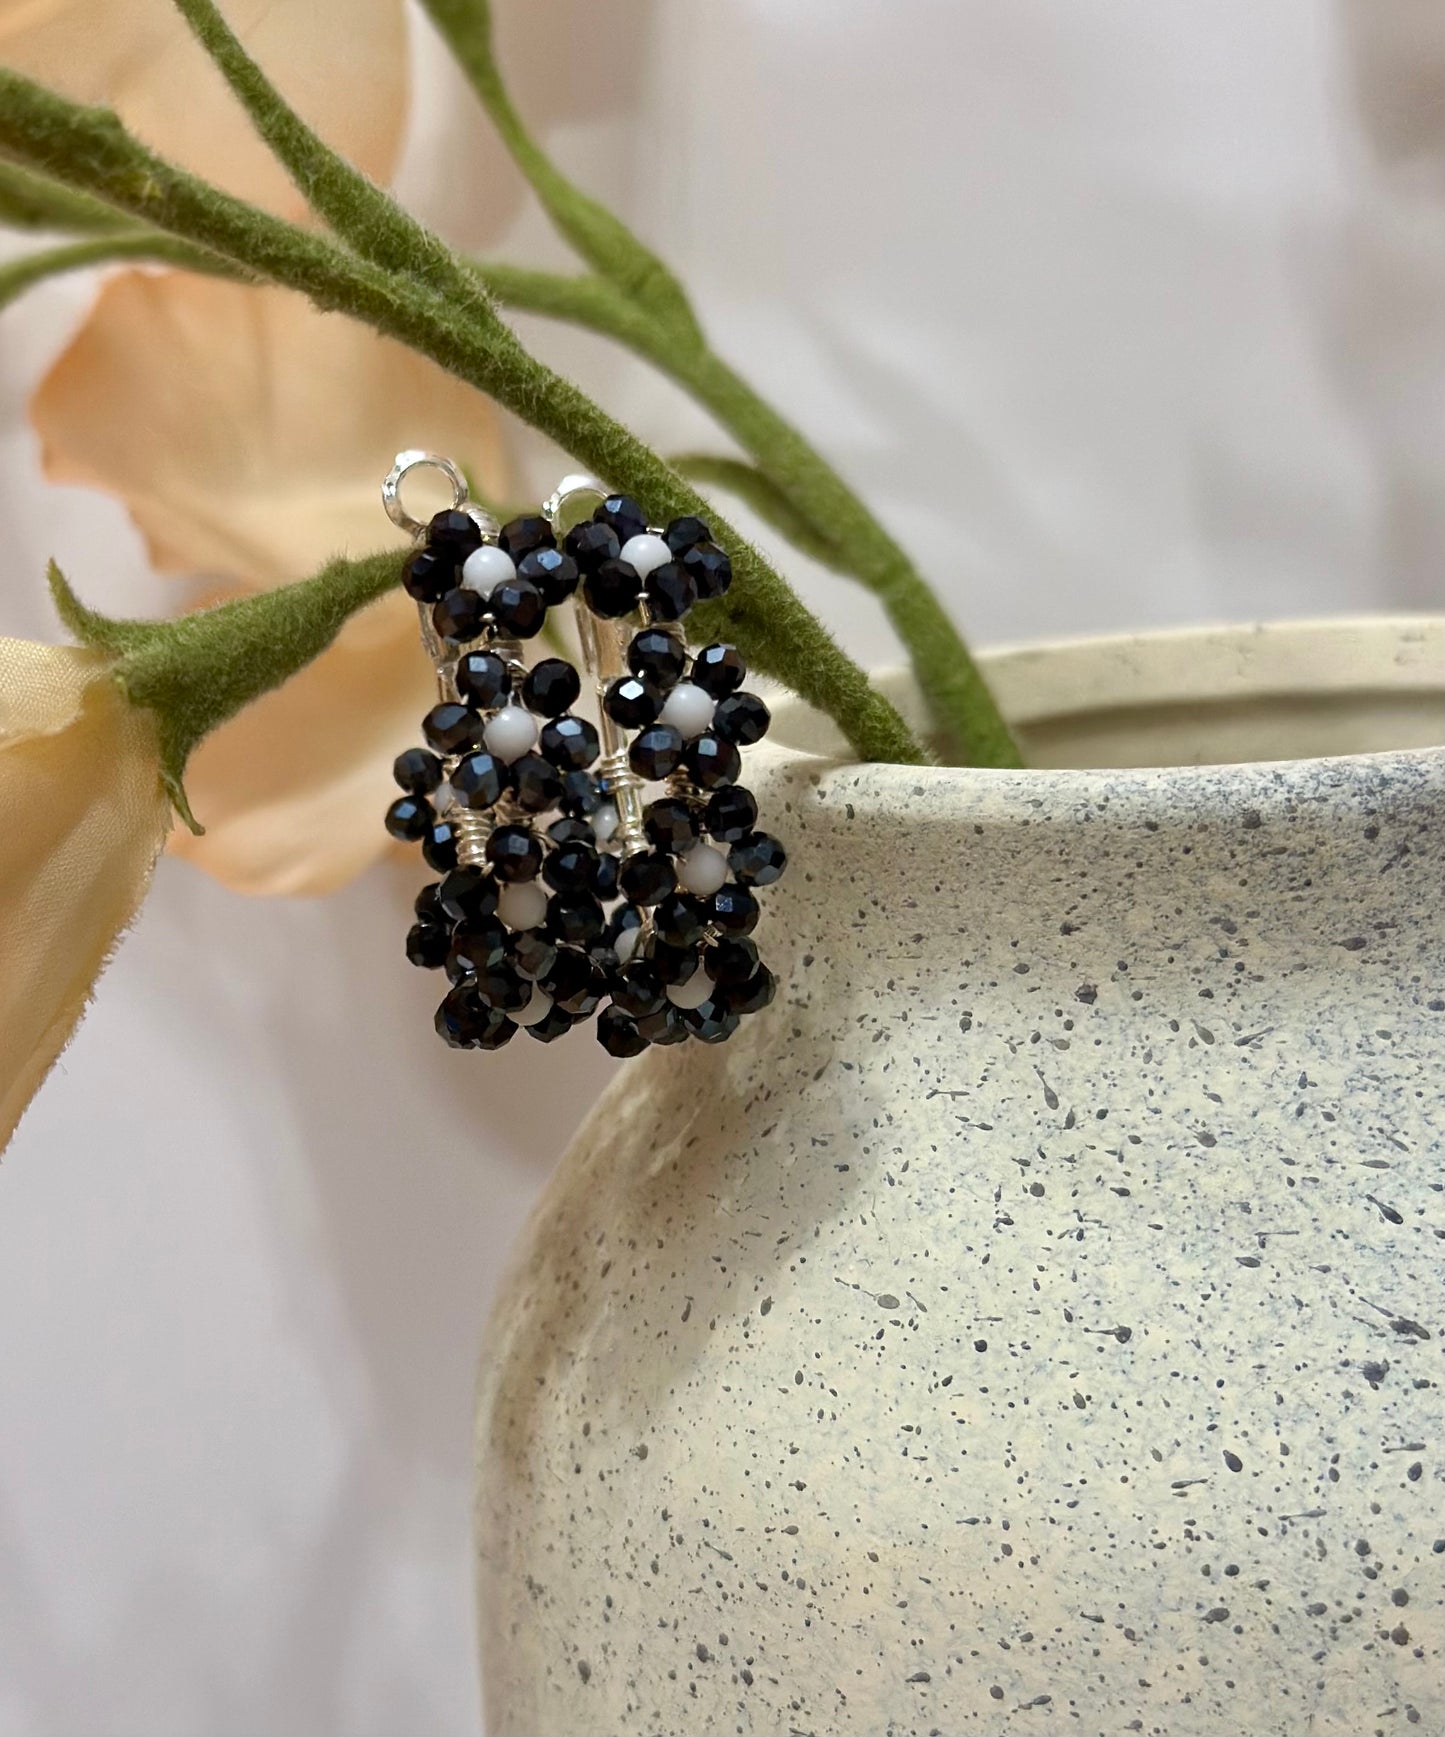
x=246 y=433
x=343 y=64
x=291 y=792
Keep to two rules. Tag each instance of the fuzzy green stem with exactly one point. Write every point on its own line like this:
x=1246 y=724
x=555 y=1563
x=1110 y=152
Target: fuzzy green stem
x=22 y=274
x=949 y=678
x=607 y=245
x=91 y=150
x=196 y=671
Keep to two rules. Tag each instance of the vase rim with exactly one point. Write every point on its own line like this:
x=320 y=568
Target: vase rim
x=1192 y=699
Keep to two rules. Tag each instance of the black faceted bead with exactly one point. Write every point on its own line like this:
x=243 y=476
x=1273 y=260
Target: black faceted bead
x=657 y=657
x=638 y=990
x=648 y=877
x=607 y=881
x=417 y=772
x=454 y=533
x=730 y=960
x=428 y=574
x=672 y=964
x=551 y=687
x=428 y=905
x=755 y=994
x=466 y=1023
x=623 y=515
x=580 y=794
x=535 y=783
x=591 y=544
x=712 y=1022
x=734 y=910
x=483 y=678
x=475 y=948
x=503 y=986
x=742 y=719
x=617 y=1034
x=671 y=823
x=553 y=1024
x=682 y=533
x=461 y=615
x=515 y=855
x=680 y=920
x=571 y=868
x=758 y=860
x=570 y=743
x=663 y=1027
x=731 y=813
x=575 y=983
x=612 y=589
x=575 y=919
x=712 y=762
x=517 y=608
x=427 y=944
x=719 y=669
x=439 y=847
x=671 y=591
x=479 y=780
x=657 y=752
x=452 y=729
x=534 y=952
x=633 y=702
x=410 y=818
x=710 y=568
x=518 y=537
x=468 y=894
x=571 y=831
x=554 y=574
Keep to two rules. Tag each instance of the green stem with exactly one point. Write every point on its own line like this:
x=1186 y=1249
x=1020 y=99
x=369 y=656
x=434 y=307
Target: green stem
x=90 y=149
x=949 y=678
x=24 y=273
x=195 y=671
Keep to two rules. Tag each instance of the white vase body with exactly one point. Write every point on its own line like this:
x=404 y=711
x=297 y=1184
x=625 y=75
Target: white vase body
x=1033 y=1321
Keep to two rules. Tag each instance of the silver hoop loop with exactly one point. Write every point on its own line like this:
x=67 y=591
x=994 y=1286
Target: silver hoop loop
x=406 y=463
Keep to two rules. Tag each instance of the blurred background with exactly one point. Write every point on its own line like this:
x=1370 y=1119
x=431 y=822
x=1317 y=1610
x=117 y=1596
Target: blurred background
x=1120 y=313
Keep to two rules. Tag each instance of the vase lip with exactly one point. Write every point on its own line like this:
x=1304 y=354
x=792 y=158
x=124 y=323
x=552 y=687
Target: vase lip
x=1194 y=702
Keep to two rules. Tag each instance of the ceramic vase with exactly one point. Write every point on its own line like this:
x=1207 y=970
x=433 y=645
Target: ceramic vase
x=1033 y=1321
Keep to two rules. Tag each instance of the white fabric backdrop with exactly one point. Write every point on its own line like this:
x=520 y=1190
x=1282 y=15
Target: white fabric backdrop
x=1122 y=312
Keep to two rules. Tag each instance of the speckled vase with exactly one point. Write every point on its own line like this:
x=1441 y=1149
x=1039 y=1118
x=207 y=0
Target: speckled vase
x=1033 y=1322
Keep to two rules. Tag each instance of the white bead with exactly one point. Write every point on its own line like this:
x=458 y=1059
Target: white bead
x=486 y=568
x=692 y=993
x=522 y=905
x=626 y=944
x=688 y=709
x=703 y=870
x=442 y=798
x=645 y=552
x=510 y=733
x=605 y=822
x=535 y=1011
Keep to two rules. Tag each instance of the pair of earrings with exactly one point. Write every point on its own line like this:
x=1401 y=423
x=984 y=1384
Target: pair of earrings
x=607 y=870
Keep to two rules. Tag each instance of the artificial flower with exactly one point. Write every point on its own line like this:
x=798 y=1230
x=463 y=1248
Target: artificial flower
x=341 y=63
x=247 y=435
x=82 y=819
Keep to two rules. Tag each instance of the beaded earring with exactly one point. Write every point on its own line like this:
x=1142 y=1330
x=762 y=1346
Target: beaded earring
x=607 y=870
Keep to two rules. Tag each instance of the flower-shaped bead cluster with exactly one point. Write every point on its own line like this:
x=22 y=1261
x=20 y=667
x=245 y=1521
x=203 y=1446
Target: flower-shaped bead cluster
x=550 y=907
x=476 y=588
